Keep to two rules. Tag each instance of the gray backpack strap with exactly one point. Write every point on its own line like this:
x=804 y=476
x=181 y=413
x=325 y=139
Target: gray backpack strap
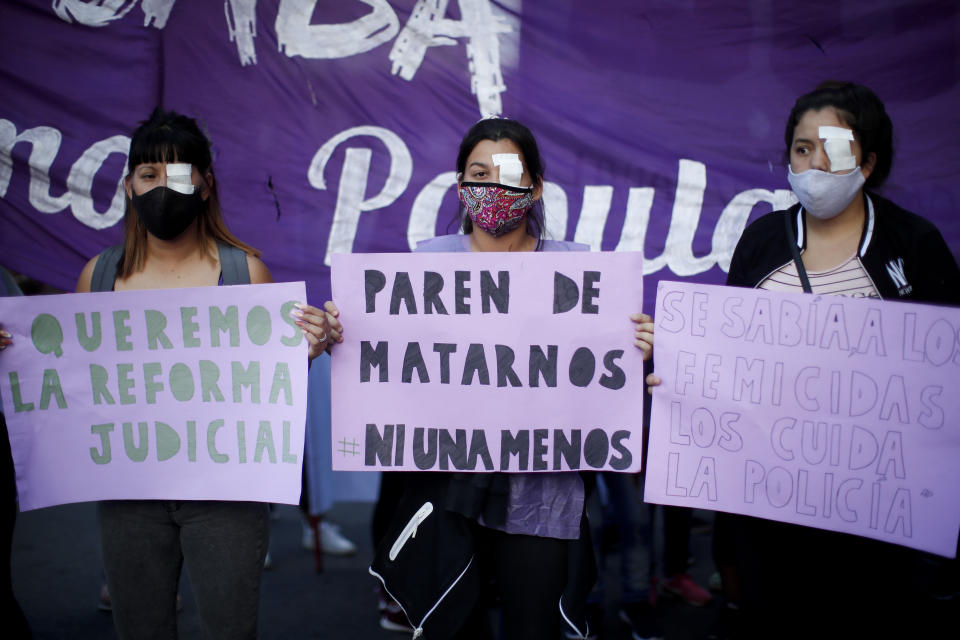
x=233 y=265
x=8 y=286
x=105 y=271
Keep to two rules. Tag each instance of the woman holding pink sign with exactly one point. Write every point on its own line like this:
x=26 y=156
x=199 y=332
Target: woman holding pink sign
x=840 y=239
x=522 y=532
x=175 y=236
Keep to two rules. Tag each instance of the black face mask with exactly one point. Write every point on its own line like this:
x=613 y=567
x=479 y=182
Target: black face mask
x=167 y=213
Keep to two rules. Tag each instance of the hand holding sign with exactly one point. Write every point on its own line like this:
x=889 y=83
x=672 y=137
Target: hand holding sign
x=321 y=328
x=643 y=334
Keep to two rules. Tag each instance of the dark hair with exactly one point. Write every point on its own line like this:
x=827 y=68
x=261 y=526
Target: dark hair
x=167 y=136
x=499 y=129
x=860 y=109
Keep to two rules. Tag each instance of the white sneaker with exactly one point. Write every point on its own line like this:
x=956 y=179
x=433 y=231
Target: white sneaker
x=306 y=537
x=333 y=541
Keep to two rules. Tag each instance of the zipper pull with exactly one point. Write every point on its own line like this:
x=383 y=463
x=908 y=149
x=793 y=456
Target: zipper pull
x=417 y=633
x=410 y=531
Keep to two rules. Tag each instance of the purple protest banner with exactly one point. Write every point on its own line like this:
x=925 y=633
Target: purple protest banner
x=192 y=394
x=335 y=125
x=487 y=362
x=828 y=412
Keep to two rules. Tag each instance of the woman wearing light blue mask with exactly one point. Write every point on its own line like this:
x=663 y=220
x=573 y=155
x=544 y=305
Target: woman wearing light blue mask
x=840 y=239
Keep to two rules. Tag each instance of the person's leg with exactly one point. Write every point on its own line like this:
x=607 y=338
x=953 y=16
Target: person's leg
x=634 y=522
x=224 y=544
x=531 y=574
x=142 y=558
x=597 y=512
x=676 y=524
x=15 y=624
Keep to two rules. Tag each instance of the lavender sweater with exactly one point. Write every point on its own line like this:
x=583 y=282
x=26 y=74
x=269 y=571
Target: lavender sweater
x=540 y=504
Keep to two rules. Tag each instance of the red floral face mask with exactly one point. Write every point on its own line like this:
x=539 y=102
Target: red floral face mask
x=496 y=208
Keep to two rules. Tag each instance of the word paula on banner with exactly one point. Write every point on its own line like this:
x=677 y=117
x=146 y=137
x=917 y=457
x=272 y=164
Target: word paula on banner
x=832 y=413
x=180 y=394
x=487 y=362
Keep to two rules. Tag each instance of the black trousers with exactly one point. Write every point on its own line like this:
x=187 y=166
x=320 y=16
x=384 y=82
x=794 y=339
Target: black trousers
x=528 y=574
x=13 y=621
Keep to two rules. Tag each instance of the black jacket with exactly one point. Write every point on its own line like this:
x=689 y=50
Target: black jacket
x=904 y=254
x=428 y=562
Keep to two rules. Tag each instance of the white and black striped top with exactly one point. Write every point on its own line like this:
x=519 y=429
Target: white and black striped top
x=848 y=279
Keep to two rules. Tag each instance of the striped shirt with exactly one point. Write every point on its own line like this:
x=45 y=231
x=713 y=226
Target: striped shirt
x=848 y=279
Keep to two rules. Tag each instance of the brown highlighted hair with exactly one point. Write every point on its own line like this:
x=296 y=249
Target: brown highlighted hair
x=167 y=136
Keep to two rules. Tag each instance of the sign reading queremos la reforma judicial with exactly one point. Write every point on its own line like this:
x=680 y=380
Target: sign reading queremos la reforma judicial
x=335 y=125
x=177 y=394
x=486 y=362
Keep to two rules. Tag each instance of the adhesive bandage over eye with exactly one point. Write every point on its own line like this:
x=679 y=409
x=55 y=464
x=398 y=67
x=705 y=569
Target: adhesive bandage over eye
x=837 y=143
x=511 y=169
x=180 y=178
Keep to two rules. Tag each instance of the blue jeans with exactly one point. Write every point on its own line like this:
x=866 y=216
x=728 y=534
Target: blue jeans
x=633 y=519
x=145 y=543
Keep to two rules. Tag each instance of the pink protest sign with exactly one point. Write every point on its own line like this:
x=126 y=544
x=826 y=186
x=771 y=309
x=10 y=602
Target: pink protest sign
x=193 y=394
x=829 y=412
x=487 y=362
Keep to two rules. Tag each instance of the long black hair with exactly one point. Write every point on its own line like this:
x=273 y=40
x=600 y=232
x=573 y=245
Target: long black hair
x=860 y=109
x=505 y=129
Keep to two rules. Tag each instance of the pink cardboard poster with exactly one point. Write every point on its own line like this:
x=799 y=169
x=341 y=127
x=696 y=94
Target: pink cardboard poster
x=487 y=362
x=178 y=394
x=823 y=411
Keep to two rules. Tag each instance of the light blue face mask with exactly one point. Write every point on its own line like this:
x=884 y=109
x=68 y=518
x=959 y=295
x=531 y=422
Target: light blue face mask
x=824 y=195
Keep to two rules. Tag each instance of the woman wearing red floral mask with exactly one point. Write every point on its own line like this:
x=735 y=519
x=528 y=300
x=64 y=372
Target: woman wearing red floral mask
x=522 y=532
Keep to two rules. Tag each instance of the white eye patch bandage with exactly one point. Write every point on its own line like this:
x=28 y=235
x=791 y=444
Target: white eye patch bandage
x=511 y=169
x=180 y=178
x=836 y=142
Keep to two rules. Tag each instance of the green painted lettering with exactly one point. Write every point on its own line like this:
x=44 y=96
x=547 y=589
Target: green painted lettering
x=98 y=383
x=19 y=406
x=249 y=377
x=121 y=330
x=242 y=441
x=103 y=455
x=265 y=443
x=209 y=374
x=190 y=328
x=47 y=335
x=168 y=441
x=181 y=382
x=215 y=455
x=125 y=383
x=258 y=325
x=281 y=382
x=288 y=457
x=150 y=383
x=221 y=322
x=156 y=323
x=51 y=387
x=192 y=440
x=297 y=336
x=136 y=452
x=90 y=341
